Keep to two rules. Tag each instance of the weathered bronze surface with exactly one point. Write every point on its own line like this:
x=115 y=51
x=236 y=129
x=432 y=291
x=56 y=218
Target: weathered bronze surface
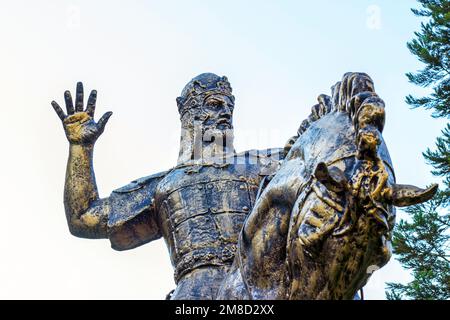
x=301 y=222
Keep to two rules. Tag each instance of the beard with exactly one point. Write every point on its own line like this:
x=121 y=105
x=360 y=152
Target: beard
x=215 y=134
x=212 y=142
x=206 y=142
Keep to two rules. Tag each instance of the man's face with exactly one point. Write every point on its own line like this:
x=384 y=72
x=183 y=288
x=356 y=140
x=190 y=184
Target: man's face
x=216 y=113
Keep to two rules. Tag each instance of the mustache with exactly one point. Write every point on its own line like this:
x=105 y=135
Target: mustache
x=212 y=123
x=221 y=118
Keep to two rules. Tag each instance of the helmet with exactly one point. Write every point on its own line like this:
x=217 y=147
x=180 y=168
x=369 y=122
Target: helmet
x=199 y=88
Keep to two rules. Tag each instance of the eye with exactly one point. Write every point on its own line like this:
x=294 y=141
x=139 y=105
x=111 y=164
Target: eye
x=215 y=103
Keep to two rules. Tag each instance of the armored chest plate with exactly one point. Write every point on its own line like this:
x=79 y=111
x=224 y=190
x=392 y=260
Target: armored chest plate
x=202 y=211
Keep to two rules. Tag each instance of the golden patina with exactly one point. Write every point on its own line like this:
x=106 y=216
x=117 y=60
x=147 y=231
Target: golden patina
x=301 y=222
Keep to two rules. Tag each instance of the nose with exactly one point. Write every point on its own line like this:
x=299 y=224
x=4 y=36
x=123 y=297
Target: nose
x=226 y=113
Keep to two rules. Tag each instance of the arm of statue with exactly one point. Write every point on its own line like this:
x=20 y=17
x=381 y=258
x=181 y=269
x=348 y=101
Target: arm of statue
x=87 y=215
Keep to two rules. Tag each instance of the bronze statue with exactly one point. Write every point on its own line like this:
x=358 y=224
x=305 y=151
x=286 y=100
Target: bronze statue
x=306 y=227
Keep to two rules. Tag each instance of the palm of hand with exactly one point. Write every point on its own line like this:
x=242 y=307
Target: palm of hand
x=79 y=124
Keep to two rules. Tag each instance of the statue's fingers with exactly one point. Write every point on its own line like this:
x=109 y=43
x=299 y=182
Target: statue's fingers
x=69 y=102
x=103 y=120
x=90 y=109
x=58 y=110
x=79 y=98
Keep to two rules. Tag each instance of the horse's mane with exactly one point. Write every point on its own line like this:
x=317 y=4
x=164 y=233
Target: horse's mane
x=347 y=96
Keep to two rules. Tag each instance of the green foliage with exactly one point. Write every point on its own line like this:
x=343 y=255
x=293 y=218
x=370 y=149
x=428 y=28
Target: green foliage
x=440 y=159
x=432 y=47
x=422 y=244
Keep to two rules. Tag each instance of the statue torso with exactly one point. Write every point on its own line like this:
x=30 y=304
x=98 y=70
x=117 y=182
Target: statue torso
x=202 y=210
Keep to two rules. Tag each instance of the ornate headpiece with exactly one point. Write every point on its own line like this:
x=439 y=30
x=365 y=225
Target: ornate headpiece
x=199 y=88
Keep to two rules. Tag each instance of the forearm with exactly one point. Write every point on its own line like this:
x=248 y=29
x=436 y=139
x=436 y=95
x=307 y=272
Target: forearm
x=80 y=194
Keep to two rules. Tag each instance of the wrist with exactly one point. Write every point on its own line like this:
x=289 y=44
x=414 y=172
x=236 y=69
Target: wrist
x=81 y=148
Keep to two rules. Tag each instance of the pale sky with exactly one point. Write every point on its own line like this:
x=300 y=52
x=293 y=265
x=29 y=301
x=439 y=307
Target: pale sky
x=278 y=55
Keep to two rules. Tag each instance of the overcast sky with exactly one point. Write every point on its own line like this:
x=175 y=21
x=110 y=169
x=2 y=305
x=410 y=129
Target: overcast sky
x=278 y=55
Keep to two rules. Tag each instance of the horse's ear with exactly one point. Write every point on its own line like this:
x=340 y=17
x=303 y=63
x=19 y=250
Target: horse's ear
x=333 y=178
x=405 y=195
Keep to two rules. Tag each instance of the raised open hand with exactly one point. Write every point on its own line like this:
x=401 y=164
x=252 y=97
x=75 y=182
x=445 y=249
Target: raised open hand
x=79 y=124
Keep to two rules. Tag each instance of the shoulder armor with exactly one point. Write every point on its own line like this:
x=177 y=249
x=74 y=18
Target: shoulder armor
x=132 y=221
x=274 y=153
x=269 y=160
x=140 y=183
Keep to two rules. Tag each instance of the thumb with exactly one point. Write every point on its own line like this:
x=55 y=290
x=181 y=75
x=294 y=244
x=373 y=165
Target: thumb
x=103 y=120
